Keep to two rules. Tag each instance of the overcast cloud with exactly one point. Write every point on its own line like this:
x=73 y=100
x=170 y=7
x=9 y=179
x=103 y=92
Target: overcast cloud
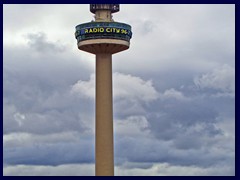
x=174 y=91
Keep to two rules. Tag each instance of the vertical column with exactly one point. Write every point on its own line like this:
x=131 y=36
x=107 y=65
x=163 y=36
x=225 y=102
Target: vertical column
x=103 y=16
x=104 y=116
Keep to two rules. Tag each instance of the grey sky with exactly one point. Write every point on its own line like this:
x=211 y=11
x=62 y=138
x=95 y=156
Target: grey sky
x=174 y=91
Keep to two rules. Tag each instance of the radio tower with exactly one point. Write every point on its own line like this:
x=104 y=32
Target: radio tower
x=103 y=37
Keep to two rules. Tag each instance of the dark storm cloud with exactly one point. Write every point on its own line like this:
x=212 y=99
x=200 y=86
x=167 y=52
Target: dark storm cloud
x=38 y=100
x=171 y=119
x=174 y=139
x=37 y=95
x=151 y=150
x=51 y=153
x=184 y=125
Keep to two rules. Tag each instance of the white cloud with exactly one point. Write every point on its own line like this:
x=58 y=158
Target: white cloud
x=25 y=139
x=189 y=37
x=85 y=88
x=165 y=169
x=158 y=169
x=132 y=126
x=132 y=87
x=124 y=86
x=61 y=170
x=19 y=118
x=172 y=93
x=221 y=78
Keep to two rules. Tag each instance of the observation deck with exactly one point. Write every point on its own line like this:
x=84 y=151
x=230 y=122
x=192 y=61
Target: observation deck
x=105 y=37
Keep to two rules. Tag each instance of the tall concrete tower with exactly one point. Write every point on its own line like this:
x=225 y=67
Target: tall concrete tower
x=103 y=37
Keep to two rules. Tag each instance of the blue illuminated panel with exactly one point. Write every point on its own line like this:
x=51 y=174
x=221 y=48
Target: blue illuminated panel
x=103 y=30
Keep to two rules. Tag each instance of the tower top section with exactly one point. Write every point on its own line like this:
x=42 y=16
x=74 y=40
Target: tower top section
x=103 y=35
x=110 y=7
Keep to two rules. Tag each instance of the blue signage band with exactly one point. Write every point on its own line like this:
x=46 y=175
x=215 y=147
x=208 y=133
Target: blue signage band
x=98 y=30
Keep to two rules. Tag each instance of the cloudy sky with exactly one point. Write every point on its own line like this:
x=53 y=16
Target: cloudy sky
x=174 y=91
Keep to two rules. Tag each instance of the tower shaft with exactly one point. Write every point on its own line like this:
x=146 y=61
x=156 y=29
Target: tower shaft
x=104 y=116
